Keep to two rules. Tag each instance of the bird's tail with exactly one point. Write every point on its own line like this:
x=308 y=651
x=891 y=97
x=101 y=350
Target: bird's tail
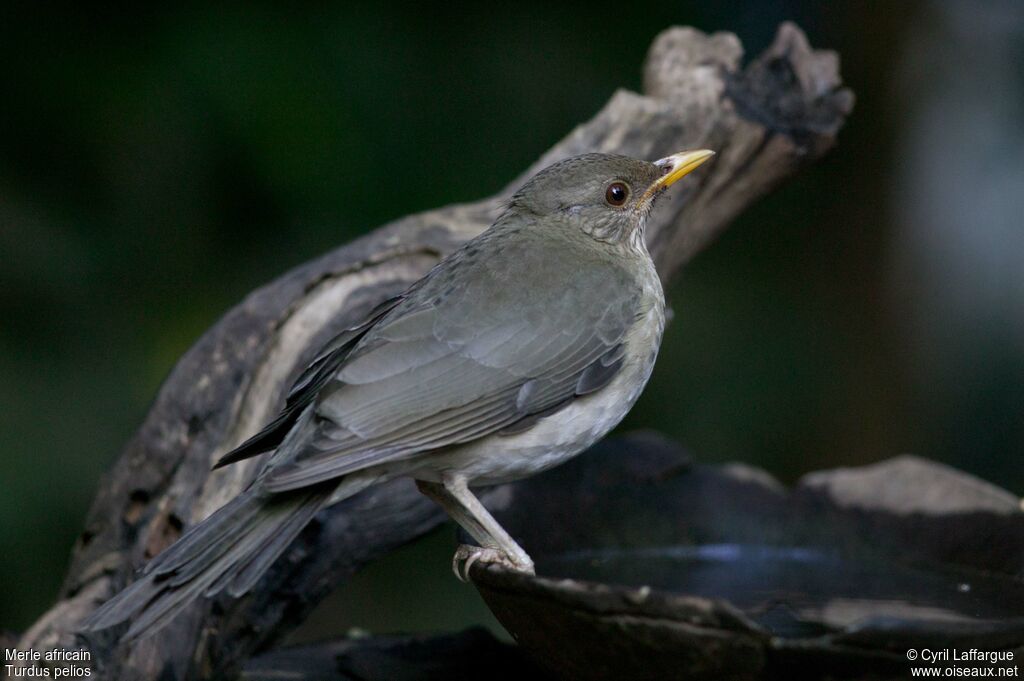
x=228 y=551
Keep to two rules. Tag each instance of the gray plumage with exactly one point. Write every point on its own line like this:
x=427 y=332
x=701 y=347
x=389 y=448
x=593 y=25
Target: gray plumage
x=513 y=354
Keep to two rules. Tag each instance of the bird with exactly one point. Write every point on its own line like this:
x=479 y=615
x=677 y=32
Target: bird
x=515 y=353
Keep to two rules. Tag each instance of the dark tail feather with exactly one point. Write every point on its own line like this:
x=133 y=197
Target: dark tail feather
x=230 y=549
x=246 y=573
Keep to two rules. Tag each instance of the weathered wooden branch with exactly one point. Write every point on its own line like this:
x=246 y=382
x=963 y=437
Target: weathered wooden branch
x=431 y=657
x=765 y=120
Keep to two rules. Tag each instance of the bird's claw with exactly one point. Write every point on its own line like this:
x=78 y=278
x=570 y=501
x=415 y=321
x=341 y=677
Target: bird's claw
x=466 y=556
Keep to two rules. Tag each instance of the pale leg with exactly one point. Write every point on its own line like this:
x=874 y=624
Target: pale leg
x=496 y=545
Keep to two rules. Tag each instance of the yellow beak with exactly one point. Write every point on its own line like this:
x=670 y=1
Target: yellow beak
x=675 y=167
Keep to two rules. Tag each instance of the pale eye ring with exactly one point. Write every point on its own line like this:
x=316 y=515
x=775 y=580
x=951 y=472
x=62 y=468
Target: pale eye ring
x=617 y=194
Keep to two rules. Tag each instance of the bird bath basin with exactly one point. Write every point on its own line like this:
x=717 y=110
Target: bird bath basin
x=795 y=592
x=652 y=567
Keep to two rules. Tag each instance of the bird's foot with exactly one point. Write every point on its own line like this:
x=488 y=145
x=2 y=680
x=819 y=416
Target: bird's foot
x=466 y=556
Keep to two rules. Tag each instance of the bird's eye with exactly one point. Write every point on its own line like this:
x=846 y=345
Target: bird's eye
x=616 y=194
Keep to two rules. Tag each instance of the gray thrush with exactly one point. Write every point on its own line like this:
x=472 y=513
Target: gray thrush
x=515 y=353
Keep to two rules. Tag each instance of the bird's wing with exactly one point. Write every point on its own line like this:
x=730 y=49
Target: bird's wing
x=454 y=363
x=306 y=387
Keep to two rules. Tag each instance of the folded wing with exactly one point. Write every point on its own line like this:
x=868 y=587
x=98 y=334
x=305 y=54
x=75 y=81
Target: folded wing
x=450 y=364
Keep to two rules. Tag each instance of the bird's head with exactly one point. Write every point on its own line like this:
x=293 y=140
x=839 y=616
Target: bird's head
x=606 y=196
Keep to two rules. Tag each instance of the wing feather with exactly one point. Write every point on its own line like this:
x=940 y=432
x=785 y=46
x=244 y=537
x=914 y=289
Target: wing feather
x=432 y=373
x=307 y=386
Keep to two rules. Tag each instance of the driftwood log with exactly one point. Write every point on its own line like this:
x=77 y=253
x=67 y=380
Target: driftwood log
x=766 y=120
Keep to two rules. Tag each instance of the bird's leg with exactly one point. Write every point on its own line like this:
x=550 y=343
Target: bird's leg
x=496 y=545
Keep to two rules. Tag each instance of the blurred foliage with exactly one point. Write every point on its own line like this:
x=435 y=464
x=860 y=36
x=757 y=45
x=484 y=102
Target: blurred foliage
x=158 y=164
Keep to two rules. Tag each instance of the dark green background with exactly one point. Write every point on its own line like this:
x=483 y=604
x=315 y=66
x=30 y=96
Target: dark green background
x=157 y=165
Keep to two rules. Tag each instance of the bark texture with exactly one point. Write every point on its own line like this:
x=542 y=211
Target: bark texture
x=765 y=120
